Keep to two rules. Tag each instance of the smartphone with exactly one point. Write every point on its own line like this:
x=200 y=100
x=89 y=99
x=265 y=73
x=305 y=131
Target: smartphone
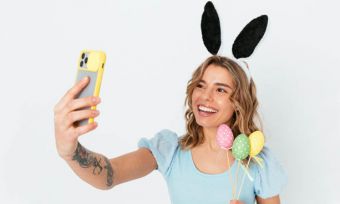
x=91 y=63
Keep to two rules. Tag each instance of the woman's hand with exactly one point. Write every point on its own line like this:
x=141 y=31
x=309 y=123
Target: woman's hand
x=236 y=202
x=66 y=113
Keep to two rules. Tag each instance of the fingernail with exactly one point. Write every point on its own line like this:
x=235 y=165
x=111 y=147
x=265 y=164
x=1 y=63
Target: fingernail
x=85 y=78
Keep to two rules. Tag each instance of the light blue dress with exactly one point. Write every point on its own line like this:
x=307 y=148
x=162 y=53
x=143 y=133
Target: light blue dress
x=187 y=185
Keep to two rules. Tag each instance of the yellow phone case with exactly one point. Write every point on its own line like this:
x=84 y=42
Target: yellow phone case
x=91 y=63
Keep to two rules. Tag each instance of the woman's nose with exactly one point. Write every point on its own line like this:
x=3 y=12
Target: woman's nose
x=207 y=95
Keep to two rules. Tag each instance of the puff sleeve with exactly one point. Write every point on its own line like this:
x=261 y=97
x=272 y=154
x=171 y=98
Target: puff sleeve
x=163 y=146
x=270 y=179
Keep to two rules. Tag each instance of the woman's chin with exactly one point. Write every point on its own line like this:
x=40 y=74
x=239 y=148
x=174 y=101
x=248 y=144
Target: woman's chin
x=206 y=125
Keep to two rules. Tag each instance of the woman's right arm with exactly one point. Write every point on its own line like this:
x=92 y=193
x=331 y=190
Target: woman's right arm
x=94 y=168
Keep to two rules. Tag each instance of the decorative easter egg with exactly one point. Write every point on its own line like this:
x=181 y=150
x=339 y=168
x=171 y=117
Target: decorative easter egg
x=224 y=136
x=256 y=140
x=241 y=147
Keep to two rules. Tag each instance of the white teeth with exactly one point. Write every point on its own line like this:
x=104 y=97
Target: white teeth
x=202 y=108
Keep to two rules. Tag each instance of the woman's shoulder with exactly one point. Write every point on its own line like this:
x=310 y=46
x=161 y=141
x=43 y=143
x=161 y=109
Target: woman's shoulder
x=269 y=175
x=167 y=135
x=163 y=146
x=267 y=154
x=164 y=136
x=265 y=161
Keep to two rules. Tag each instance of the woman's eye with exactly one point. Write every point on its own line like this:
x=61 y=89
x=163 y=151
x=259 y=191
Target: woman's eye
x=199 y=86
x=221 y=90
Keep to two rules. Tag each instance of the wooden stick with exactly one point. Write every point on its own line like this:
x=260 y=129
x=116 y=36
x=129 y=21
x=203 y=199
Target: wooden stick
x=229 y=174
x=238 y=167
x=244 y=175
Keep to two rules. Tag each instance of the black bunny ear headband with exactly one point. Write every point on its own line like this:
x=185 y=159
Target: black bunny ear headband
x=244 y=43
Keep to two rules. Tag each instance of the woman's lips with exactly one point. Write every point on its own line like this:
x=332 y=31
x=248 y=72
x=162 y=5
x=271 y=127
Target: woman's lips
x=206 y=112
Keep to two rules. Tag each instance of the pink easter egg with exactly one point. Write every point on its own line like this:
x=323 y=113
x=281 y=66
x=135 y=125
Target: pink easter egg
x=224 y=136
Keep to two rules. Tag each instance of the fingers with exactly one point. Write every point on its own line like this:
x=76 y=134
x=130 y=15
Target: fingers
x=81 y=103
x=79 y=115
x=236 y=202
x=72 y=93
x=86 y=128
x=65 y=117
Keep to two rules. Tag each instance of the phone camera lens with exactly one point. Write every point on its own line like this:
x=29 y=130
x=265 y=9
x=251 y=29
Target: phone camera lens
x=83 y=56
x=81 y=64
x=86 y=60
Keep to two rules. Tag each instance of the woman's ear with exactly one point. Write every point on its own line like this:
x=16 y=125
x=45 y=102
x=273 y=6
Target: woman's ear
x=210 y=27
x=249 y=37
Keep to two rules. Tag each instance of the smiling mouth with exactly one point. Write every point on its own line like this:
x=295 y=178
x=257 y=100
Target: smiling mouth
x=206 y=110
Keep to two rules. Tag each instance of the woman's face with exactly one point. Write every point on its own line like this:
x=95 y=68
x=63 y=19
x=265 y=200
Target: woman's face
x=210 y=99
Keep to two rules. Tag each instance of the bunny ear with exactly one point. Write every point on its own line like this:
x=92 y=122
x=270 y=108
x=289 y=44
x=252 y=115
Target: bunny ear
x=249 y=37
x=210 y=26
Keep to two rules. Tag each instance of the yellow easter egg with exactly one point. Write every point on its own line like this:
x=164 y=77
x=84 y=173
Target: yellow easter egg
x=256 y=140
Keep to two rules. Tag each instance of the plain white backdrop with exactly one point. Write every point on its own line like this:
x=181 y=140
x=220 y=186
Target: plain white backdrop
x=152 y=48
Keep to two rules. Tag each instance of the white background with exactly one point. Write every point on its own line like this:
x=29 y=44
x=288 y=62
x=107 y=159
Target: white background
x=152 y=48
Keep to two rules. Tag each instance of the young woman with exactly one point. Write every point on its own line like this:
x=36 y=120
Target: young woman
x=195 y=168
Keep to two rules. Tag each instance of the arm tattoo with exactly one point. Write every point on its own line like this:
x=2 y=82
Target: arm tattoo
x=108 y=167
x=86 y=159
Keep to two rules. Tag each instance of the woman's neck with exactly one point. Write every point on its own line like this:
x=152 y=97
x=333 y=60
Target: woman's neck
x=210 y=143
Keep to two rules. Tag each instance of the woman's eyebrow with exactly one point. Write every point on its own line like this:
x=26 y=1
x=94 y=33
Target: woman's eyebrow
x=221 y=84
x=218 y=84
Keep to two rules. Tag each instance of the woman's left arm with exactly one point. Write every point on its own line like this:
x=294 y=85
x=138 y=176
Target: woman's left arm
x=271 y=200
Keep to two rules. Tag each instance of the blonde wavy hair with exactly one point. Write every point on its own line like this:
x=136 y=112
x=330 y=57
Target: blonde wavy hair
x=243 y=99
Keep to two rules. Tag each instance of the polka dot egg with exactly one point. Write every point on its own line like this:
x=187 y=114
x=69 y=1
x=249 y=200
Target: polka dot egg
x=224 y=136
x=256 y=140
x=241 y=147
